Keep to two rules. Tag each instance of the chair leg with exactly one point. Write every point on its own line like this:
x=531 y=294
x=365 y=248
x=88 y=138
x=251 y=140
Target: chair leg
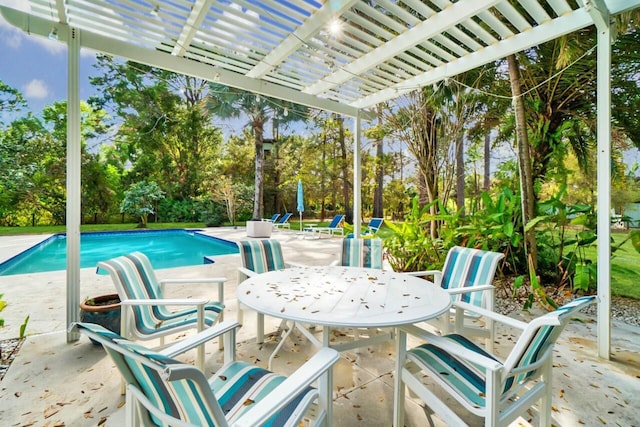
x=545 y=402
x=240 y=314
x=131 y=406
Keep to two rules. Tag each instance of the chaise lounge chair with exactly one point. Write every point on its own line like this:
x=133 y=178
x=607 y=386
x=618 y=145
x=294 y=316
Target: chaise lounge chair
x=273 y=218
x=164 y=391
x=335 y=226
x=372 y=228
x=283 y=221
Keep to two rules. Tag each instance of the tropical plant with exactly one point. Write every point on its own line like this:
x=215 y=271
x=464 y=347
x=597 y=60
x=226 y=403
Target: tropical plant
x=139 y=200
x=564 y=231
x=411 y=248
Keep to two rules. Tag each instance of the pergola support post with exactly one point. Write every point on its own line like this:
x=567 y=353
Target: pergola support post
x=604 y=191
x=73 y=181
x=357 y=175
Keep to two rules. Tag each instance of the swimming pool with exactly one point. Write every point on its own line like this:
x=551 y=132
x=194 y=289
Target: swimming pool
x=165 y=249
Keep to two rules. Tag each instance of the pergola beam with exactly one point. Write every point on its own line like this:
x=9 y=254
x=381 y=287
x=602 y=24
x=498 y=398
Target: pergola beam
x=197 y=15
x=156 y=58
x=301 y=35
x=519 y=42
x=422 y=32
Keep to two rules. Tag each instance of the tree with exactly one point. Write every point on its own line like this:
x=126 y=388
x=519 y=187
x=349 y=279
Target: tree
x=10 y=99
x=139 y=200
x=165 y=132
x=227 y=102
x=524 y=160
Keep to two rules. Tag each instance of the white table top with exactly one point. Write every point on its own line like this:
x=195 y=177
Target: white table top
x=344 y=296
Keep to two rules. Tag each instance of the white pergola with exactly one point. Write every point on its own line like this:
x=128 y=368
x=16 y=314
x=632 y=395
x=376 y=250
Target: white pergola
x=285 y=49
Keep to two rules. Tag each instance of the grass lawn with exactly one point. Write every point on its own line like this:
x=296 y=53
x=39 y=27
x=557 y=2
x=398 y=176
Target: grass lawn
x=625 y=267
x=53 y=229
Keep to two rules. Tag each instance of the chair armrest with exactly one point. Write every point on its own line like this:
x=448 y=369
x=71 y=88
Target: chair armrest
x=289 y=388
x=207 y=280
x=490 y=314
x=455 y=291
x=171 y=301
x=246 y=272
x=202 y=337
x=290 y=264
x=453 y=348
x=437 y=275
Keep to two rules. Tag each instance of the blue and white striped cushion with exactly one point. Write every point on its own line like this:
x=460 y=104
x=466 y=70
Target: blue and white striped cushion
x=239 y=385
x=467 y=267
x=468 y=379
x=361 y=253
x=261 y=256
x=545 y=336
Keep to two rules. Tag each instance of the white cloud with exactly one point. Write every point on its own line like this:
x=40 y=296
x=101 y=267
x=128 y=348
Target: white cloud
x=14 y=38
x=16 y=4
x=37 y=89
x=51 y=46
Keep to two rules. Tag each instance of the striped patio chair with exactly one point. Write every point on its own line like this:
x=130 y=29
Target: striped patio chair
x=259 y=256
x=145 y=312
x=163 y=391
x=365 y=253
x=468 y=275
x=497 y=390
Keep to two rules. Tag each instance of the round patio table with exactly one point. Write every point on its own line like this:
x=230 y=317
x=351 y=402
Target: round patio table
x=342 y=297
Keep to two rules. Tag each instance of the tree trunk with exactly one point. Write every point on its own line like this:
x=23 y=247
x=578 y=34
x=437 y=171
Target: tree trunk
x=487 y=160
x=378 y=208
x=524 y=159
x=258 y=125
x=460 y=173
x=322 y=178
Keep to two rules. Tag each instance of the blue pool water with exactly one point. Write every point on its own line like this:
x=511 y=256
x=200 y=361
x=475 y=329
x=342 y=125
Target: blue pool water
x=165 y=249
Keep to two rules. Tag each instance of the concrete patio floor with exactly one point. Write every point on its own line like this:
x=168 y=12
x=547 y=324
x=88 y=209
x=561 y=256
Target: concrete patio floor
x=52 y=383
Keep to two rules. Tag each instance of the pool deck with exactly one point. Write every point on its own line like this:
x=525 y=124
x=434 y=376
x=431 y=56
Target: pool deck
x=55 y=383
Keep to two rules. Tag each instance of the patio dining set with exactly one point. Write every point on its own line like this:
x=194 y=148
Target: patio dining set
x=450 y=312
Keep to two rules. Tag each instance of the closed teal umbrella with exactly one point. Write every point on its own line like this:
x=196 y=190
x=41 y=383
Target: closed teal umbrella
x=300 y=202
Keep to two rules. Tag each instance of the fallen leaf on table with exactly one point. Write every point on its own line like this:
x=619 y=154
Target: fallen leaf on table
x=50 y=411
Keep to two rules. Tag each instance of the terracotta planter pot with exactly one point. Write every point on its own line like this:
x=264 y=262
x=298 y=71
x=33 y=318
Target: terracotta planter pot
x=103 y=310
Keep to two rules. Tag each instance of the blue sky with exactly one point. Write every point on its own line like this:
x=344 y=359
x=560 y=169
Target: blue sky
x=38 y=66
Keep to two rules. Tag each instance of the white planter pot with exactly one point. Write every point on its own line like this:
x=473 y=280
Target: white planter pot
x=259 y=228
